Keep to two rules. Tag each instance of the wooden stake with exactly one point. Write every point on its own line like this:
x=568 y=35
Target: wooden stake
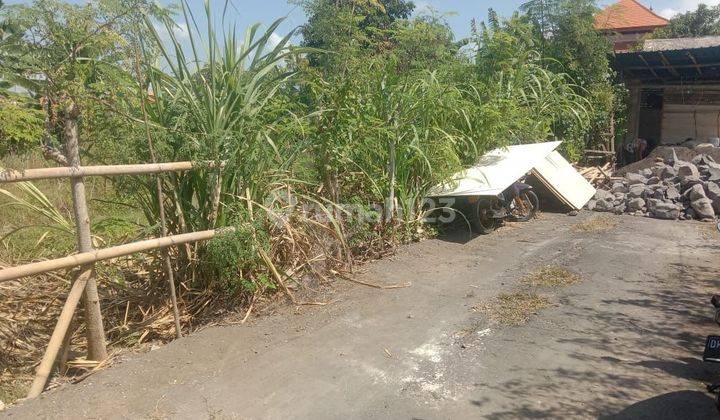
x=93 y=317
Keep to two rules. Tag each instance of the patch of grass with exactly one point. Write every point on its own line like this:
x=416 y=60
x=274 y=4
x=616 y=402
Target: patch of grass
x=12 y=389
x=551 y=276
x=595 y=224
x=708 y=231
x=514 y=308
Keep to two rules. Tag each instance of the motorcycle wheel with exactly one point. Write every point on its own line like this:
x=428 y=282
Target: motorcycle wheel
x=531 y=203
x=482 y=219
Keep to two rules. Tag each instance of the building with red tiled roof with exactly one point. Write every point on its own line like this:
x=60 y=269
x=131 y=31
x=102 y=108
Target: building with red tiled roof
x=626 y=22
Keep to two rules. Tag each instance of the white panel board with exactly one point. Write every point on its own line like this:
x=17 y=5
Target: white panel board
x=495 y=171
x=563 y=180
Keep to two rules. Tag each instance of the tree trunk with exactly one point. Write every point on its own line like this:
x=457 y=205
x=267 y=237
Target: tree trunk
x=93 y=317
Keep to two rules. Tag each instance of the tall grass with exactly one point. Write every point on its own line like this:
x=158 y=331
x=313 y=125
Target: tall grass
x=213 y=95
x=209 y=101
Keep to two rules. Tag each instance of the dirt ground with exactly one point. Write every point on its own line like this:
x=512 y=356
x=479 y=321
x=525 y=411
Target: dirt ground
x=625 y=342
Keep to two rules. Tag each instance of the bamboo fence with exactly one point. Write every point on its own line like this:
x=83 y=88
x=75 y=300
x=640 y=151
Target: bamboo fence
x=84 y=282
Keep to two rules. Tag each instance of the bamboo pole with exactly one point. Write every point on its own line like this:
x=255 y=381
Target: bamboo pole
x=61 y=327
x=11 y=175
x=96 y=255
x=95 y=331
x=65 y=318
x=390 y=211
x=161 y=206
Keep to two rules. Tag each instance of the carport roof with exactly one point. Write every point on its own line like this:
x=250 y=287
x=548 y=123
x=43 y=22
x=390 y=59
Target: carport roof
x=694 y=60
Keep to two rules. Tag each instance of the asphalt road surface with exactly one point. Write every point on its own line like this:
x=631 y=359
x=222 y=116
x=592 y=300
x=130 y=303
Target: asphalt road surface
x=626 y=342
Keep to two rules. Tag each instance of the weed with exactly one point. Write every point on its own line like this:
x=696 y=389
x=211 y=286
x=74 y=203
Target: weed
x=551 y=276
x=595 y=224
x=514 y=308
x=12 y=388
x=708 y=231
x=235 y=257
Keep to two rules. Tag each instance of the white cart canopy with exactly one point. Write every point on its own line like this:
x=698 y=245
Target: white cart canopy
x=500 y=168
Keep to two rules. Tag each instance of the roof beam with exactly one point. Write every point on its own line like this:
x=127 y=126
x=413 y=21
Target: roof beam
x=706 y=87
x=697 y=66
x=652 y=70
x=679 y=66
x=668 y=66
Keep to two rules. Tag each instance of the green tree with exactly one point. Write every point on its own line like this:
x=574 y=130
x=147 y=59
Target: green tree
x=503 y=45
x=369 y=16
x=80 y=55
x=21 y=127
x=523 y=99
x=570 y=39
x=367 y=48
x=349 y=26
x=8 y=39
x=703 y=21
x=426 y=42
x=21 y=120
x=569 y=43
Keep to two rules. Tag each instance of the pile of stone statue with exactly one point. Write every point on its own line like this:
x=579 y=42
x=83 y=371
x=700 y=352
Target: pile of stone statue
x=670 y=189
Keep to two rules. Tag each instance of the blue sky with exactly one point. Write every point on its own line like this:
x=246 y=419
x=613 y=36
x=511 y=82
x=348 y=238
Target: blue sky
x=460 y=12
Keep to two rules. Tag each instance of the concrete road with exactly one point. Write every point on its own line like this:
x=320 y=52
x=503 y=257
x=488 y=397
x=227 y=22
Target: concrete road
x=626 y=342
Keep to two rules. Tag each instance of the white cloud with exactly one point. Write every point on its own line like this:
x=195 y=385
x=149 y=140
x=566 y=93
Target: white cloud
x=181 y=31
x=274 y=40
x=683 y=6
x=668 y=13
x=422 y=7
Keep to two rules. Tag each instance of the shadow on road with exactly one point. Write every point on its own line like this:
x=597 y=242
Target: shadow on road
x=685 y=405
x=641 y=343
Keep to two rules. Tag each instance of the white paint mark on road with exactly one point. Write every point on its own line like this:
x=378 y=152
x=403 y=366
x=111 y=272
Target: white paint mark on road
x=378 y=376
x=430 y=351
x=485 y=332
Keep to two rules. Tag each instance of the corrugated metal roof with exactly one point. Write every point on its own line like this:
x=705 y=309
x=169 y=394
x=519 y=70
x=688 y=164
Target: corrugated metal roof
x=663 y=61
x=628 y=15
x=681 y=43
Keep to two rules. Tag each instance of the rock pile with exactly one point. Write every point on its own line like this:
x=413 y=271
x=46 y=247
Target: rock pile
x=671 y=189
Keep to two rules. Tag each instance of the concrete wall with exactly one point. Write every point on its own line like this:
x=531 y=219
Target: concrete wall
x=690 y=113
x=699 y=122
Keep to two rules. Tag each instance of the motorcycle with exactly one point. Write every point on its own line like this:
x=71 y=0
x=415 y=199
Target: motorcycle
x=712 y=351
x=712 y=348
x=517 y=203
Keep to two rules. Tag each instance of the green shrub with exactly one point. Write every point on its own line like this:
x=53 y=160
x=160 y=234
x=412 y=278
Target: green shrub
x=235 y=257
x=20 y=128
